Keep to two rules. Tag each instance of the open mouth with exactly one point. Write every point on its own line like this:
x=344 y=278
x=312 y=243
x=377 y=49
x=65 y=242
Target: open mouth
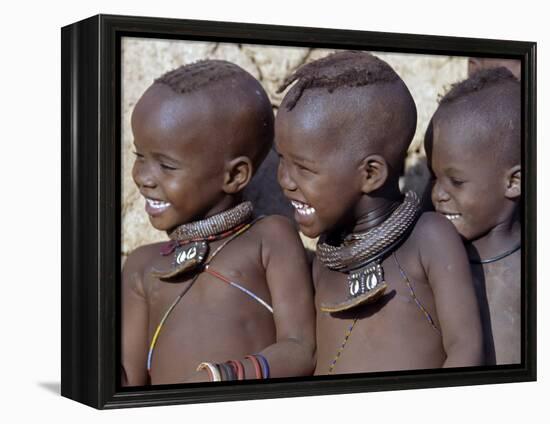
x=451 y=216
x=302 y=208
x=154 y=207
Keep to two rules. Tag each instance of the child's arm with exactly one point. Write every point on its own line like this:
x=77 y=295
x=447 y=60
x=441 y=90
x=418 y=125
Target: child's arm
x=289 y=279
x=444 y=259
x=134 y=321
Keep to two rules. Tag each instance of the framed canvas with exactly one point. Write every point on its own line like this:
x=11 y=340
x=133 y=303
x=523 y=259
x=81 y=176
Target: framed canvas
x=107 y=64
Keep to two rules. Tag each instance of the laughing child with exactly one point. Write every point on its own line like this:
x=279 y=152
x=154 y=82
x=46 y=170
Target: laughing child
x=473 y=147
x=393 y=289
x=220 y=301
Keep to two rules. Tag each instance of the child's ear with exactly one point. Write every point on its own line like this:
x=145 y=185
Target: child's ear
x=513 y=182
x=238 y=173
x=374 y=173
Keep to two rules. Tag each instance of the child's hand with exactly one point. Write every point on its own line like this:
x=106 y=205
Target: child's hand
x=199 y=377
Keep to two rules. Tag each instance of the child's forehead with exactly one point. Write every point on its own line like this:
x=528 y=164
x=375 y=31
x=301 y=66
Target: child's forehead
x=199 y=108
x=463 y=135
x=353 y=115
x=458 y=125
x=483 y=126
x=478 y=116
x=321 y=110
x=171 y=120
x=457 y=115
x=311 y=127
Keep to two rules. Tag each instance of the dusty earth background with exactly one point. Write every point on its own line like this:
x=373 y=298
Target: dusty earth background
x=143 y=60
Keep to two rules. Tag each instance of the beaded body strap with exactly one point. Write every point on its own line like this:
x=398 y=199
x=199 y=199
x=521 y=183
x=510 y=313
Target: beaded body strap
x=187 y=288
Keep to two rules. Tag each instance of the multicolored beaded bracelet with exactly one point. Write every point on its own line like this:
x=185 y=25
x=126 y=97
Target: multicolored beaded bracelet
x=232 y=369
x=239 y=368
x=257 y=366
x=264 y=364
x=212 y=370
x=223 y=372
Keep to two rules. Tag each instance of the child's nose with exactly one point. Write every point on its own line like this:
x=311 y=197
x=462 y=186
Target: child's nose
x=438 y=193
x=142 y=176
x=285 y=181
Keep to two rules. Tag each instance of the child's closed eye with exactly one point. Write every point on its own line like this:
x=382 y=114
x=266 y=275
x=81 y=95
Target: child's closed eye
x=168 y=167
x=304 y=169
x=456 y=182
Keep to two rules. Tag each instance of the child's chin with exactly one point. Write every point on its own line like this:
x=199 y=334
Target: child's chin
x=157 y=224
x=464 y=235
x=309 y=232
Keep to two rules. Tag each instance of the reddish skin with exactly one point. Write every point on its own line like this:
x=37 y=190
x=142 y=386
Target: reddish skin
x=473 y=183
x=324 y=166
x=184 y=142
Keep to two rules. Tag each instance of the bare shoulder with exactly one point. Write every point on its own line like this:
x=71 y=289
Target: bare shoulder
x=277 y=229
x=436 y=238
x=142 y=257
x=280 y=241
x=432 y=227
x=440 y=247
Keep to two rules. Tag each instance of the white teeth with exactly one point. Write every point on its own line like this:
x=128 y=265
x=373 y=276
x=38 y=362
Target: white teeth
x=157 y=204
x=302 y=208
x=452 y=216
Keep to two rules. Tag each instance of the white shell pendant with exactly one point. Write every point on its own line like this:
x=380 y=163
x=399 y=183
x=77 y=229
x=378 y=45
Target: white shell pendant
x=186 y=258
x=190 y=255
x=186 y=254
x=365 y=279
x=354 y=287
x=372 y=281
x=365 y=285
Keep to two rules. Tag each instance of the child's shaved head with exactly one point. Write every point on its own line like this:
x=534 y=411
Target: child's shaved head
x=343 y=69
x=200 y=133
x=473 y=145
x=239 y=101
x=191 y=77
x=490 y=100
x=364 y=97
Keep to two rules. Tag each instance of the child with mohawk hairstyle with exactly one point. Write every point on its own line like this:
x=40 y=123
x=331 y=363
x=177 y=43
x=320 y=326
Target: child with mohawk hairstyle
x=393 y=289
x=474 y=151
x=220 y=301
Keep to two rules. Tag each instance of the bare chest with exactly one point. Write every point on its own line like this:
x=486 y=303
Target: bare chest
x=398 y=331
x=498 y=289
x=213 y=317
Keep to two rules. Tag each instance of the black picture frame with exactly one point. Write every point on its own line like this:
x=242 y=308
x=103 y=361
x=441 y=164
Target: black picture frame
x=91 y=198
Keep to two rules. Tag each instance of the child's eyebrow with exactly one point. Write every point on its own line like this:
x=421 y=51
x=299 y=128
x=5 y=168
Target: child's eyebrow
x=452 y=170
x=302 y=159
x=164 y=157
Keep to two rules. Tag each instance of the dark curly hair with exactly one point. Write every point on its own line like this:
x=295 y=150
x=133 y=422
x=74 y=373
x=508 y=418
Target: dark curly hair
x=477 y=82
x=341 y=69
x=493 y=96
x=191 y=77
